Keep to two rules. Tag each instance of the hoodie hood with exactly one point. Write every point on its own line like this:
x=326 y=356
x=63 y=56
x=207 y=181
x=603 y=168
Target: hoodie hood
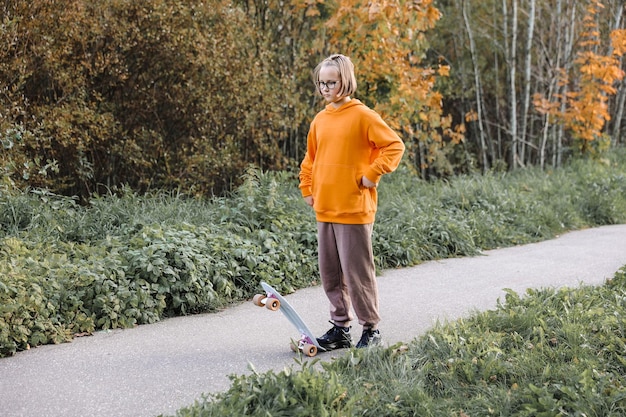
x=352 y=103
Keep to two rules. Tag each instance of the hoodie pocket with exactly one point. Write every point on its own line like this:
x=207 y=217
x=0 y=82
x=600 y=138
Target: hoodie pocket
x=336 y=188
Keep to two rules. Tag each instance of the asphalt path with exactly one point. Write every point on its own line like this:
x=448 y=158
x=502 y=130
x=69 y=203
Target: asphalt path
x=159 y=368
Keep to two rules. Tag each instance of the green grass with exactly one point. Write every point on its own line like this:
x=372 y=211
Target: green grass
x=126 y=259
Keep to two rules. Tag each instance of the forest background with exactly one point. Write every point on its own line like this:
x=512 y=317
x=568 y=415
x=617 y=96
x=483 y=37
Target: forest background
x=186 y=94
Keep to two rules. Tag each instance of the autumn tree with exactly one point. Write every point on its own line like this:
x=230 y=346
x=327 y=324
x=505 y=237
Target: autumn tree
x=387 y=40
x=502 y=53
x=583 y=109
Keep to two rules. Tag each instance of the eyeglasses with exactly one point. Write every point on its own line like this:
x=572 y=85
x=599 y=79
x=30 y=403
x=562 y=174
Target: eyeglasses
x=330 y=84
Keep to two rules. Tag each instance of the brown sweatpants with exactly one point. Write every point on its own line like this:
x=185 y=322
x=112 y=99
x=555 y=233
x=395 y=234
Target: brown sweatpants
x=348 y=273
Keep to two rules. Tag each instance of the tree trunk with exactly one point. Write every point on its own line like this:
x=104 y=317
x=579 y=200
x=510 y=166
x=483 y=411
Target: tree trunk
x=618 y=114
x=499 y=107
x=513 y=87
x=570 y=34
x=545 y=132
x=527 y=79
x=477 y=86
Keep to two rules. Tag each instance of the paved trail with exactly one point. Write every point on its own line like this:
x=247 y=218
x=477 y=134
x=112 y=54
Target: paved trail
x=160 y=368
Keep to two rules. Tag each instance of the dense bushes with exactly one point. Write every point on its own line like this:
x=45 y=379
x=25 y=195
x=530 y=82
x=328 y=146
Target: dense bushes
x=52 y=291
x=470 y=213
x=126 y=260
x=90 y=270
x=150 y=94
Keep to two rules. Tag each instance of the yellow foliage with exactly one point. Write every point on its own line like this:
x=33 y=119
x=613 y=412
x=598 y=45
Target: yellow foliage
x=471 y=116
x=618 y=42
x=586 y=109
x=385 y=39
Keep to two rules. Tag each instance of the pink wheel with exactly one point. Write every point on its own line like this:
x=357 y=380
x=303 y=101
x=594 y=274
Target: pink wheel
x=272 y=304
x=309 y=350
x=258 y=300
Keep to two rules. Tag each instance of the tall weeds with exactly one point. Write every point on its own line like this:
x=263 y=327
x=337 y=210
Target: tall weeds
x=126 y=259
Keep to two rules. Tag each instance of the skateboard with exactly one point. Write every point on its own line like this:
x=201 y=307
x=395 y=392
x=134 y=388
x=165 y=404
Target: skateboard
x=273 y=301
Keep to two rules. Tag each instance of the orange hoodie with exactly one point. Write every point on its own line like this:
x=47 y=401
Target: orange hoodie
x=344 y=144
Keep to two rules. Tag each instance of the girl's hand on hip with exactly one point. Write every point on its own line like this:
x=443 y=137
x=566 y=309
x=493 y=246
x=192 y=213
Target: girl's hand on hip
x=367 y=183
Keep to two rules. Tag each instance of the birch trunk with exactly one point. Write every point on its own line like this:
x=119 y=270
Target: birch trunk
x=478 y=87
x=527 y=79
x=567 y=54
x=618 y=114
x=513 y=87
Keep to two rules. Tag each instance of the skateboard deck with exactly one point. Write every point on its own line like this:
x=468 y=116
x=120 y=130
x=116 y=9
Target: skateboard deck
x=273 y=301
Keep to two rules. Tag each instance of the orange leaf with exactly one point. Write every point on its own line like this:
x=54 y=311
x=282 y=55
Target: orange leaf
x=618 y=41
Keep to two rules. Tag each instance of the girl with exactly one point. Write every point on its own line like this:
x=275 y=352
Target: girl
x=349 y=148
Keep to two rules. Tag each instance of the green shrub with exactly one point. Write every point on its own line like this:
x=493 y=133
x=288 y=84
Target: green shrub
x=125 y=259
x=41 y=296
x=97 y=268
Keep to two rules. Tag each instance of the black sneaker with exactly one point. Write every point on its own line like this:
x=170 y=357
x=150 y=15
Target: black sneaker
x=370 y=338
x=336 y=338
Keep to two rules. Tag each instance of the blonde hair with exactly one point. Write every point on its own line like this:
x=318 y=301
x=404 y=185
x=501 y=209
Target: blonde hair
x=345 y=67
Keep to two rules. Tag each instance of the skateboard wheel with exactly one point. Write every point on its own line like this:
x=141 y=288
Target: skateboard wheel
x=309 y=350
x=272 y=304
x=258 y=300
